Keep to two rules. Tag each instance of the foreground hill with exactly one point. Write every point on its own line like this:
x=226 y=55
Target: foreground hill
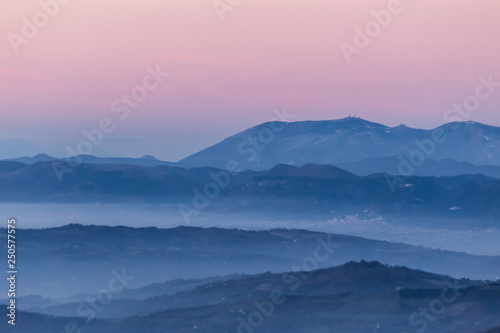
x=349 y=278
x=355 y=297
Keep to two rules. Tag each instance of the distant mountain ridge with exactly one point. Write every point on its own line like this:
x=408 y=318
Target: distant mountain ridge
x=309 y=171
x=353 y=144
x=349 y=140
x=321 y=190
x=146 y=160
x=389 y=164
x=429 y=167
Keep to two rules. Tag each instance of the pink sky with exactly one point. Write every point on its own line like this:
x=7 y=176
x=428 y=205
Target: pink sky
x=228 y=75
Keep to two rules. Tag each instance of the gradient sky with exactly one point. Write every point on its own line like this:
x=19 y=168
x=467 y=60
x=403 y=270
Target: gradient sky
x=228 y=75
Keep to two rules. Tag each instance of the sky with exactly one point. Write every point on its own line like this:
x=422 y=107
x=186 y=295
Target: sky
x=224 y=65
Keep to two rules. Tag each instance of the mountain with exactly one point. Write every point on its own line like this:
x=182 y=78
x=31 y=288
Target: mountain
x=309 y=171
x=284 y=191
x=355 y=297
x=34 y=159
x=356 y=145
x=349 y=140
x=429 y=167
x=146 y=160
x=39 y=182
x=60 y=262
x=8 y=166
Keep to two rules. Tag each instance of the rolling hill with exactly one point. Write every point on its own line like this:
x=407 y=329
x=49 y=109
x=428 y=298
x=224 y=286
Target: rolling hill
x=61 y=262
x=355 y=297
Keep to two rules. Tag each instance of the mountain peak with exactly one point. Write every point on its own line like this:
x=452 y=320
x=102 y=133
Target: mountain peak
x=279 y=170
x=352 y=118
x=309 y=170
x=42 y=156
x=149 y=157
x=321 y=171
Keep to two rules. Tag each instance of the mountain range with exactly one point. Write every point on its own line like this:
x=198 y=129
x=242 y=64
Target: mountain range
x=350 y=140
x=193 y=279
x=353 y=144
x=310 y=190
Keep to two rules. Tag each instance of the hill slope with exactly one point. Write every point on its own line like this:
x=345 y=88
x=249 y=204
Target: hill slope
x=53 y=258
x=356 y=297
